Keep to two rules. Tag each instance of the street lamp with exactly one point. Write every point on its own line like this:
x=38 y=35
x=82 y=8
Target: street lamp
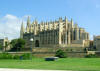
x=31 y=48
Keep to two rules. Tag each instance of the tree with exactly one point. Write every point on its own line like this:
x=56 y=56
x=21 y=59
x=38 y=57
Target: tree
x=17 y=44
x=61 y=54
x=1 y=47
x=20 y=43
x=6 y=45
x=13 y=43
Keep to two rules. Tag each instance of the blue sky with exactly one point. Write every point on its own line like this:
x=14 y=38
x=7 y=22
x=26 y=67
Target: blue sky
x=85 y=12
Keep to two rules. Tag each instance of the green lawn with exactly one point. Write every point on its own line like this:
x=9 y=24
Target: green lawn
x=76 y=64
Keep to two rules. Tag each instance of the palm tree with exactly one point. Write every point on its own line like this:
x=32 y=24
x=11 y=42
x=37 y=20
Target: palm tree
x=6 y=45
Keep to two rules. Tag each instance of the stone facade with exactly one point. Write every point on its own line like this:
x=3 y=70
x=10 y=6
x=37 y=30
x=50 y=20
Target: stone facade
x=59 y=33
x=96 y=42
x=3 y=43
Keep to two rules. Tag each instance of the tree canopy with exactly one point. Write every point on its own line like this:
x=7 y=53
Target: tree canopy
x=18 y=43
x=0 y=46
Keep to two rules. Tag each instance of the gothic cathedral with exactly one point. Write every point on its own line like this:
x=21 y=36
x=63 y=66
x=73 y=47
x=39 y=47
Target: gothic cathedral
x=58 y=33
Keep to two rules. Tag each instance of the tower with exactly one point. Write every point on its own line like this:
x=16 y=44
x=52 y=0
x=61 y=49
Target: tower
x=41 y=26
x=66 y=30
x=71 y=23
x=60 y=30
x=22 y=30
x=76 y=32
x=28 y=25
x=35 y=27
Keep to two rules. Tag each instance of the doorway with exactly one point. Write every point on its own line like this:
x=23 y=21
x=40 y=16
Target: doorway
x=37 y=43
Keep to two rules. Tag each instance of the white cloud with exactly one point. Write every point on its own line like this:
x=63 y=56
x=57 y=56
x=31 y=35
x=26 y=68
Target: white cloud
x=10 y=26
x=8 y=16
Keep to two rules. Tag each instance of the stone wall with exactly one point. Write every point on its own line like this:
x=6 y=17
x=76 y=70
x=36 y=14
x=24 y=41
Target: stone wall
x=54 y=49
x=69 y=54
x=47 y=52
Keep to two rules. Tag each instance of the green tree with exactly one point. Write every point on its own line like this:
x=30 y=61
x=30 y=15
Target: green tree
x=18 y=44
x=13 y=43
x=1 y=47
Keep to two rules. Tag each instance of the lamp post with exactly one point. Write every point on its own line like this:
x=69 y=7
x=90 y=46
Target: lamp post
x=31 y=48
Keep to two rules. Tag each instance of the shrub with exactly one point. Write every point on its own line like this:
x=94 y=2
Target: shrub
x=61 y=54
x=26 y=56
x=71 y=50
x=91 y=56
x=67 y=50
x=16 y=57
x=5 y=56
x=9 y=56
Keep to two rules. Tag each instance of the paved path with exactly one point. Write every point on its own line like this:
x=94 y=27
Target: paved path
x=8 y=69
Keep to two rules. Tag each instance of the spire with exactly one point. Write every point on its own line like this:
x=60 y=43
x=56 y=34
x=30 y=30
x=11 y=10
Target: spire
x=75 y=25
x=28 y=25
x=44 y=25
x=36 y=29
x=71 y=20
x=35 y=21
x=71 y=23
x=22 y=27
x=60 y=19
x=66 y=23
x=31 y=28
x=32 y=22
x=66 y=18
x=28 y=21
x=22 y=30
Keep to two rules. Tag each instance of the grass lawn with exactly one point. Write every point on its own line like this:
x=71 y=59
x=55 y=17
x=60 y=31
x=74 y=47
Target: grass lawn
x=75 y=64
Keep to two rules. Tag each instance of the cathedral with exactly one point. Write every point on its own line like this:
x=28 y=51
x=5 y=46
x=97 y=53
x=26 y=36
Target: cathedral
x=58 y=33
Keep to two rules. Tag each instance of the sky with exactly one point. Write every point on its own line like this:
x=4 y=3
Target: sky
x=84 y=12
